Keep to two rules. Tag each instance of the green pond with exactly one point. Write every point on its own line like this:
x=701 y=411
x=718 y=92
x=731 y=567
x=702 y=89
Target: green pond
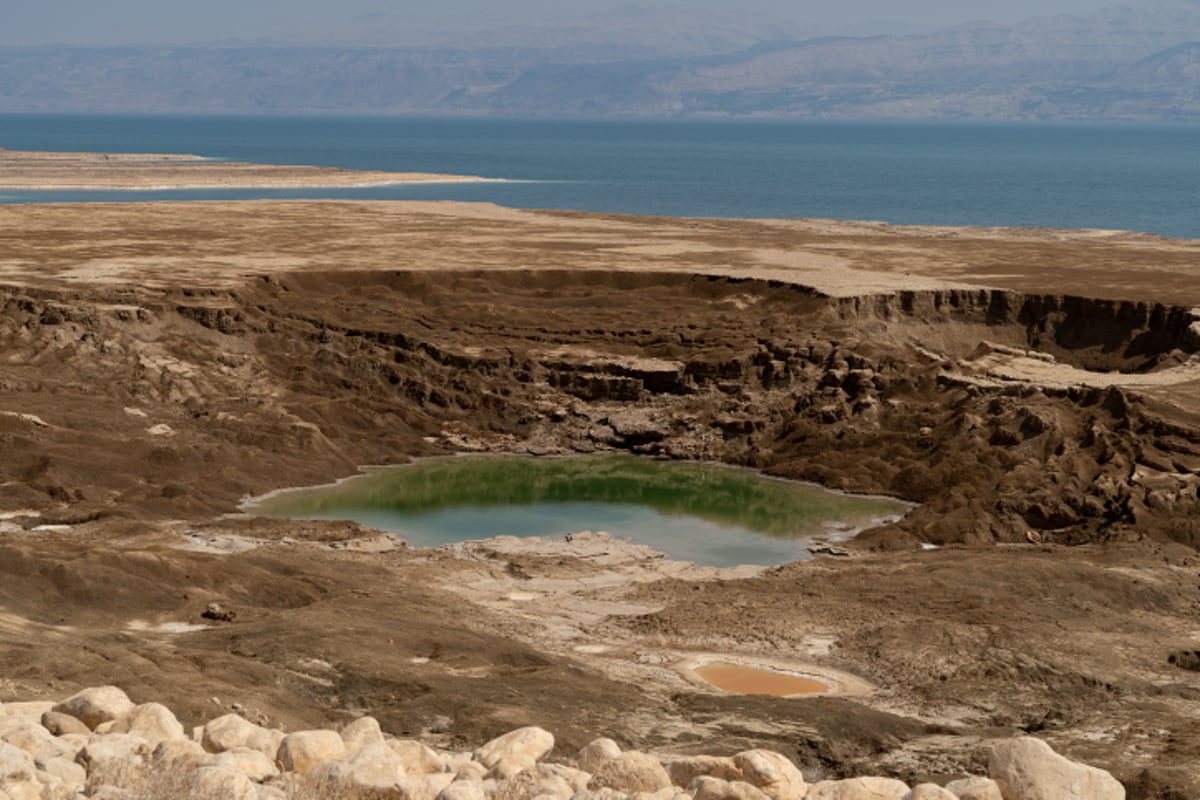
x=706 y=513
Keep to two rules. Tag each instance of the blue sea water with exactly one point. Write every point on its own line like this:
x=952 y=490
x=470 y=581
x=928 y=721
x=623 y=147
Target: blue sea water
x=1127 y=176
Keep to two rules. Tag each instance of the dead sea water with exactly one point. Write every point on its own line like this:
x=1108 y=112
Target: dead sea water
x=1143 y=177
x=710 y=514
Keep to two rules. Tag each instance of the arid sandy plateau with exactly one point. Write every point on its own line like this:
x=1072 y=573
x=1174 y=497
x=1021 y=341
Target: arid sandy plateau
x=1036 y=392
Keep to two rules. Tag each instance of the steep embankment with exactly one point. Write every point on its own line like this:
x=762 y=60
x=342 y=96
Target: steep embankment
x=987 y=406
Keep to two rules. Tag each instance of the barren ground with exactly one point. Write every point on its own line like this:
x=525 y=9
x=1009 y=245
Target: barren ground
x=20 y=169
x=1038 y=392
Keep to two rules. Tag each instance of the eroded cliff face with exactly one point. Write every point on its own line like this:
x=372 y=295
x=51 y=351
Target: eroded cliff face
x=1008 y=417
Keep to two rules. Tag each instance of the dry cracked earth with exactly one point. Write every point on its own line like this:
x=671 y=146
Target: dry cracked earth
x=1036 y=392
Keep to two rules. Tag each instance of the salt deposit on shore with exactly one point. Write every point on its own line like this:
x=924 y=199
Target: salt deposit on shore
x=36 y=171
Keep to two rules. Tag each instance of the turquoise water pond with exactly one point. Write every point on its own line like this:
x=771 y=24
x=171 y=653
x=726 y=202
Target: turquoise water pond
x=710 y=514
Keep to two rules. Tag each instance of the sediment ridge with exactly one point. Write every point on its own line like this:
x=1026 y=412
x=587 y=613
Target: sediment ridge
x=46 y=171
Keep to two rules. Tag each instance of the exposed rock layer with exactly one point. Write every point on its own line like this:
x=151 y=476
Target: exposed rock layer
x=920 y=395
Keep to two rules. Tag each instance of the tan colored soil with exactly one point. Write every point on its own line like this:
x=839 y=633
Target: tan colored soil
x=1035 y=391
x=25 y=170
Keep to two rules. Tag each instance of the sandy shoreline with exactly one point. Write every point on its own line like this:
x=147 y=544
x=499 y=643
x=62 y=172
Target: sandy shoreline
x=38 y=171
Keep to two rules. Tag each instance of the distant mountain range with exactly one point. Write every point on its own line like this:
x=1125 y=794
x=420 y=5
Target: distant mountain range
x=1132 y=62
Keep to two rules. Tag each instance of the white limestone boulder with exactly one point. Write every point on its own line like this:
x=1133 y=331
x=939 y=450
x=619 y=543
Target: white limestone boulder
x=630 y=772
x=179 y=755
x=373 y=769
x=577 y=779
x=684 y=770
x=929 y=791
x=425 y=787
x=65 y=773
x=74 y=742
x=772 y=773
x=29 y=735
x=20 y=789
x=1027 y=768
x=301 y=751
x=95 y=706
x=115 y=759
x=597 y=752
x=463 y=790
x=247 y=761
x=154 y=722
x=516 y=751
x=63 y=724
x=420 y=759
x=708 y=788
x=30 y=709
x=669 y=793
x=214 y=783
x=535 y=782
x=975 y=788
x=866 y=788
x=470 y=771
x=230 y=731
x=15 y=762
x=109 y=793
x=600 y=794
x=362 y=732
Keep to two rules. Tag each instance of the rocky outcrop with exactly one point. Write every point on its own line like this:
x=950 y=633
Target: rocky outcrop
x=362 y=761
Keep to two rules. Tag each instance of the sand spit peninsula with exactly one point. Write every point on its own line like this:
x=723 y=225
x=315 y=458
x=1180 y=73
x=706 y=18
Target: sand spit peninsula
x=32 y=170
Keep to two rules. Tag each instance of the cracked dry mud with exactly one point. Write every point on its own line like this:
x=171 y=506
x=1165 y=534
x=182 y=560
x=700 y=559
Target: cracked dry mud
x=1038 y=392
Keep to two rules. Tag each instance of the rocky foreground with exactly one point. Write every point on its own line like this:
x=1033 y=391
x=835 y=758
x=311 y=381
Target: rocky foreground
x=98 y=744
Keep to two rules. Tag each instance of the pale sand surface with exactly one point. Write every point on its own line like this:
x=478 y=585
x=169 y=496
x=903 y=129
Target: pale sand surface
x=220 y=243
x=25 y=170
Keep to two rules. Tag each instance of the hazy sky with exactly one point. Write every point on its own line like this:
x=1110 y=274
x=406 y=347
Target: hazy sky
x=137 y=21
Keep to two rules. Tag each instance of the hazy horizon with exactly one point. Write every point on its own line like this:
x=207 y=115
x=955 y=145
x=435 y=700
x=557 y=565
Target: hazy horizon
x=118 y=22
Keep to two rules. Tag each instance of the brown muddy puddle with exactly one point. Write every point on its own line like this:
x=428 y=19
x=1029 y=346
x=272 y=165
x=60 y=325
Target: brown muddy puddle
x=748 y=680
